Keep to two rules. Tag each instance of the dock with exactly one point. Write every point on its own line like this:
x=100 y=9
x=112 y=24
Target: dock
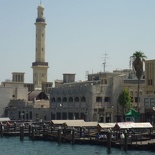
x=79 y=132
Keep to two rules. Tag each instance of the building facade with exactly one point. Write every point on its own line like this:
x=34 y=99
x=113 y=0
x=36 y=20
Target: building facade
x=150 y=76
x=92 y=100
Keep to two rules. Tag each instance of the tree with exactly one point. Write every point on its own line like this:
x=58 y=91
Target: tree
x=137 y=60
x=124 y=100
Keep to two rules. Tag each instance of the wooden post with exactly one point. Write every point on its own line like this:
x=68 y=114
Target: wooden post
x=15 y=125
x=122 y=140
x=109 y=140
x=44 y=131
x=21 y=132
x=33 y=132
x=125 y=140
x=73 y=135
x=80 y=131
x=59 y=135
x=52 y=129
x=44 y=127
x=30 y=128
x=2 y=129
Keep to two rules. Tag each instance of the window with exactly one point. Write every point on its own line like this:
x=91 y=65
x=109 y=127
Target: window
x=76 y=99
x=98 y=99
x=83 y=99
x=53 y=99
x=70 y=104
x=107 y=99
x=64 y=99
x=70 y=99
x=58 y=99
x=152 y=102
x=136 y=99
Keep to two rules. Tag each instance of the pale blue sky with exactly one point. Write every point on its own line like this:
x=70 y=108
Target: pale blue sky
x=78 y=33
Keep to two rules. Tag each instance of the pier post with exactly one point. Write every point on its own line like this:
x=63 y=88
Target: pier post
x=33 y=132
x=59 y=135
x=80 y=131
x=73 y=135
x=44 y=131
x=125 y=140
x=30 y=128
x=122 y=136
x=22 y=132
x=15 y=125
x=2 y=129
x=44 y=127
x=109 y=140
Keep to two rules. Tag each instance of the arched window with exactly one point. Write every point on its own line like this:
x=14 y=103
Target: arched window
x=131 y=93
x=98 y=99
x=107 y=99
x=64 y=99
x=58 y=99
x=83 y=99
x=76 y=99
x=53 y=99
x=70 y=99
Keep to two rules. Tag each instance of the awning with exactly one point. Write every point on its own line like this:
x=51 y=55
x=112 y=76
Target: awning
x=5 y=119
x=106 y=125
x=61 y=122
x=81 y=124
x=142 y=125
x=133 y=113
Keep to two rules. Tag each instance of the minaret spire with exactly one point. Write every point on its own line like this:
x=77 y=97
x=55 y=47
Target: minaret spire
x=40 y=66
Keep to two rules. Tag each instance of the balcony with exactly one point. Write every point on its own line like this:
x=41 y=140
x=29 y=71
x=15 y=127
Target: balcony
x=40 y=64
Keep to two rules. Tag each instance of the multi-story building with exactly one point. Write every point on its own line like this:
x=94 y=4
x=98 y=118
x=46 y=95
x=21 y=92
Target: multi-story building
x=92 y=100
x=150 y=76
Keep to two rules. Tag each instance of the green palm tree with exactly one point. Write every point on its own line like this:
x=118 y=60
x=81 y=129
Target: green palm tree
x=137 y=60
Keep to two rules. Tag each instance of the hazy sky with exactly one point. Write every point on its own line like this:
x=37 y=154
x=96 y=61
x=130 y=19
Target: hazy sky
x=78 y=34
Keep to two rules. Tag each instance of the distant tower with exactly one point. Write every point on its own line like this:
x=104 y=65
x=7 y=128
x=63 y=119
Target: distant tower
x=40 y=66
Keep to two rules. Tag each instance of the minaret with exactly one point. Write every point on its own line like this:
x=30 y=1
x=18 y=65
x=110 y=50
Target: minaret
x=40 y=66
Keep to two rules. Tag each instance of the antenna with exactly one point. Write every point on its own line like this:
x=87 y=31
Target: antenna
x=87 y=72
x=104 y=61
x=40 y=2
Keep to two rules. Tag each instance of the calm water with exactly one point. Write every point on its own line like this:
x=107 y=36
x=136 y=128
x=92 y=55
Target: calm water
x=13 y=146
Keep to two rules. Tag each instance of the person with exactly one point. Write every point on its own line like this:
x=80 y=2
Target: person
x=8 y=124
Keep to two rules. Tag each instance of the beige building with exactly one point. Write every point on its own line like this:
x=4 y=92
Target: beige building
x=36 y=108
x=132 y=86
x=150 y=76
x=92 y=100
